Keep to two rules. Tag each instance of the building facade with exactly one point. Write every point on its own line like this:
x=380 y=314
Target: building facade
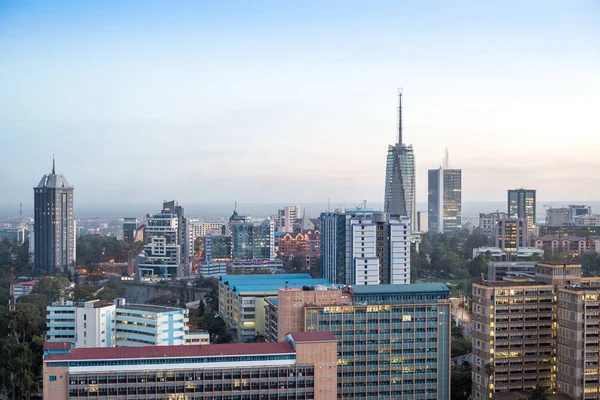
x=296 y=241
x=252 y=240
x=162 y=249
x=488 y=221
x=444 y=200
x=130 y=226
x=287 y=217
x=103 y=324
x=303 y=367
x=54 y=226
x=422 y=221
x=393 y=340
x=400 y=177
x=522 y=204
x=375 y=247
x=511 y=234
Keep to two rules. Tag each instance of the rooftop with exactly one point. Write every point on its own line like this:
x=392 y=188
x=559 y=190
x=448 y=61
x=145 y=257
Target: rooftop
x=270 y=283
x=57 y=345
x=148 y=307
x=557 y=263
x=311 y=337
x=509 y=283
x=144 y=352
x=413 y=288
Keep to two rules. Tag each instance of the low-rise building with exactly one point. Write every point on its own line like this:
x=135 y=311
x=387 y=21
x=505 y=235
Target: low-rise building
x=573 y=245
x=242 y=299
x=24 y=288
x=498 y=270
x=198 y=337
x=302 y=367
x=523 y=253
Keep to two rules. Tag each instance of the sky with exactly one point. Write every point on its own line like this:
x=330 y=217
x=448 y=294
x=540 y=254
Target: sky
x=296 y=101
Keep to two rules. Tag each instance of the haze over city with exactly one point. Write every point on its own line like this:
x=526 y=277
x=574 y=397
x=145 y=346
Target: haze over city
x=278 y=101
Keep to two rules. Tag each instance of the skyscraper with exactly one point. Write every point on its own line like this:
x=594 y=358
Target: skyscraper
x=363 y=247
x=445 y=198
x=400 y=177
x=521 y=204
x=53 y=224
x=252 y=240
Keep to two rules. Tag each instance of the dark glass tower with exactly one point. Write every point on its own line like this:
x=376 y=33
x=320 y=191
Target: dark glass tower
x=53 y=225
x=400 y=178
x=521 y=204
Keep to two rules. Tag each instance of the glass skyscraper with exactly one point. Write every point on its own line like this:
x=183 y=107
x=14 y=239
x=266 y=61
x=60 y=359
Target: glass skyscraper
x=400 y=177
x=521 y=204
x=444 y=200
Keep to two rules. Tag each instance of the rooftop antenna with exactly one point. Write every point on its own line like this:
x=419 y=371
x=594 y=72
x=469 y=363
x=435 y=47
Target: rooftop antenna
x=446 y=160
x=400 y=116
x=53 y=165
x=235 y=205
x=328 y=205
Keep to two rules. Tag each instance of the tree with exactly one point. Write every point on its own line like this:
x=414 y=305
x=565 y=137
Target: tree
x=460 y=385
x=539 y=393
x=260 y=338
x=460 y=346
x=52 y=288
x=489 y=369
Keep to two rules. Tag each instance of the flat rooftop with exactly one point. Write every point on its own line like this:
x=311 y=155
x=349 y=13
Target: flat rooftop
x=509 y=283
x=413 y=288
x=312 y=337
x=145 y=352
x=270 y=283
x=149 y=308
x=556 y=263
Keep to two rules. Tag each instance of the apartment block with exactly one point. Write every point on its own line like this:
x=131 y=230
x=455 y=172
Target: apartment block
x=303 y=367
x=511 y=234
x=393 y=340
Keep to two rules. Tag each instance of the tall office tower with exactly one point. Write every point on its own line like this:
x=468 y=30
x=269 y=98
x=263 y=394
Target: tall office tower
x=400 y=180
x=363 y=247
x=511 y=234
x=252 y=240
x=286 y=218
x=521 y=204
x=393 y=340
x=445 y=198
x=184 y=233
x=130 y=226
x=53 y=225
x=162 y=248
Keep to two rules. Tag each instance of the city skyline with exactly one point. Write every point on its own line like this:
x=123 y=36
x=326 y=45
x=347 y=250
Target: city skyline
x=229 y=85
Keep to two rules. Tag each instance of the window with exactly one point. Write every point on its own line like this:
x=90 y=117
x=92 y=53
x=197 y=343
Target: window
x=52 y=378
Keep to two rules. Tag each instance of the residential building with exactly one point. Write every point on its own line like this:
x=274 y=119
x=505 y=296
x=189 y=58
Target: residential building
x=287 y=217
x=572 y=245
x=393 y=340
x=577 y=342
x=54 y=226
x=444 y=199
x=511 y=234
x=167 y=247
x=242 y=297
x=400 y=180
x=303 y=367
x=201 y=229
x=375 y=247
x=587 y=220
x=522 y=204
x=103 y=324
x=130 y=226
x=571 y=230
x=296 y=241
x=422 y=221
x=487 y=223
x=252 y=240
x=216 y=268
x=522 y=253
x=24 y=288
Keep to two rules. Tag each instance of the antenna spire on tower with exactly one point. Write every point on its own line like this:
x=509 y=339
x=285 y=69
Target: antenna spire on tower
x=446 y=160
x=400 y=116
x=53 y=165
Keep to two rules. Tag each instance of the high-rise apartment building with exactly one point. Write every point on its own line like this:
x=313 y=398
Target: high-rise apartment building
x=252 y=240
x=302 y=367
x=511 y=234
x=166 y=248
x=393 y=340
x=487 y=223
x=364 y=247
x=444 y=198
x=54 y=226
x=522 y=204
x=184 y=234
x=400 y=179
x=130 y=226
x=287 y=217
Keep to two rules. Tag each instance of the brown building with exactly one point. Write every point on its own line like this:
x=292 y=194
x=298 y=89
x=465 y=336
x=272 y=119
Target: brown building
x=573 y=245
x=293 y=242
x=303 y=367
x=558 y=272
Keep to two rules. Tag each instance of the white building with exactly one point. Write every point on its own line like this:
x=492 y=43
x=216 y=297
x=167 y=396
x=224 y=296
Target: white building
x=422 y=221
x=103 y=324
x=162 y=249
x=587 y=220
x=24 y=288
x=286 y=218
x=487 y=223
x=195 y=338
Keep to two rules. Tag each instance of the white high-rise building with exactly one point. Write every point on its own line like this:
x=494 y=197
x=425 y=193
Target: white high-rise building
x=286 y=218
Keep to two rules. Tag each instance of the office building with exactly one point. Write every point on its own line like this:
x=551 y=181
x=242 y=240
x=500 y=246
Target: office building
x=296 y=241
x=54 y=226
x=422 y=221
x=522 y=253
x=393 y=340
x=499 y=270
x=522 y=204
x=303 y=367
x=242 y=299
x=444 y=198
x=557 y=216
x=252 y=240
x=576 y=210
x=587 y=220
x=400 y=180
x=577 y=342
x=167 y=247
x=511 y=234
x=572 y=245
x=217 y=248
x=487 y=223
x=24 y=288
x=184 y=234
x=130 y=226
x=287 y=217
x=364 y=247
x=103 y=324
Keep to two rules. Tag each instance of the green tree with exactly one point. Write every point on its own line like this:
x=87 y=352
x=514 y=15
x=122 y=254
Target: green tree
x=539 y=393
x=460 y=385
x=53 y=288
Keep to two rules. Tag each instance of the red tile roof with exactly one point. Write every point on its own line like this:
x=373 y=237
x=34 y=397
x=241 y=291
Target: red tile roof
x=211 y=350
x=306 y=337
x=57 y=345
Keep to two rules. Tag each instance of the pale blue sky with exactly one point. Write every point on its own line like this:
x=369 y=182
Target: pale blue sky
x=295 y=101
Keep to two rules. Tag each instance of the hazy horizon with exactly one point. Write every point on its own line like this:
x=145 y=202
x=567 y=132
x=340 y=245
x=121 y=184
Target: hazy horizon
x=296 y=102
